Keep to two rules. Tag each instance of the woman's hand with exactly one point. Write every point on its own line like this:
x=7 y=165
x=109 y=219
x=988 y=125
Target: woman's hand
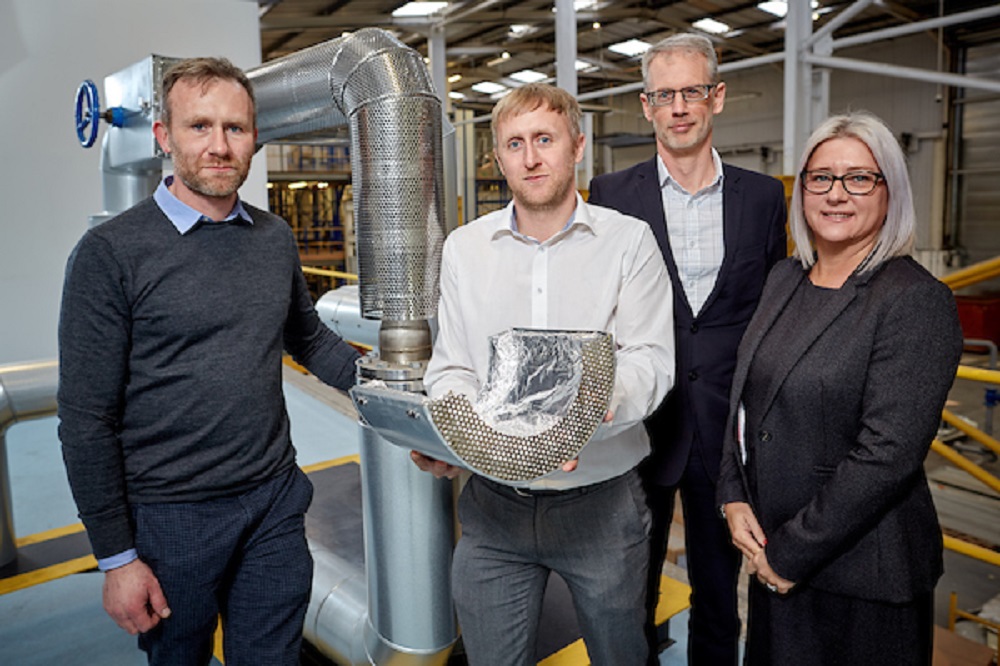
x=747 y=534
x=767 y=576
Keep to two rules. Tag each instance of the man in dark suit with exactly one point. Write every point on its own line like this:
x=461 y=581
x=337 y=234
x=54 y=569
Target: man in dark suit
x=720 y=229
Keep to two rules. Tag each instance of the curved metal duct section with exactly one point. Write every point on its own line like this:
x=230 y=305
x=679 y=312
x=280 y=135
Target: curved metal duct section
x=27 y=391
x=382 y=90
x=340 y=309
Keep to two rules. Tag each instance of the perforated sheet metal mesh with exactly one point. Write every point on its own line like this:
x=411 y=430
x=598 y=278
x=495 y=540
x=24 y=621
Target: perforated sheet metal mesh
x=293 y=94
x=382 y=90
x=399 y=205
x=509 y=458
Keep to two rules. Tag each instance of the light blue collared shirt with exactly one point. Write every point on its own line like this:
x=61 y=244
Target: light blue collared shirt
x=183 y=217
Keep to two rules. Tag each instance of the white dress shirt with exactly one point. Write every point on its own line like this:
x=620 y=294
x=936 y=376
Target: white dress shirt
x=694 y=226
x=603 y=272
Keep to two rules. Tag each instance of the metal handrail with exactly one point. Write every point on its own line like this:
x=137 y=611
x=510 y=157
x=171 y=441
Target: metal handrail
x=326 y=272
x=978 y=272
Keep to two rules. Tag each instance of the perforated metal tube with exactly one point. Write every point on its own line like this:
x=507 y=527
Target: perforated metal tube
x=381 y=88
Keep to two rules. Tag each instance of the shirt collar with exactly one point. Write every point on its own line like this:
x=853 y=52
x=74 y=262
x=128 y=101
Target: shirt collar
x=183 y=217
x=664 y=174
x=507 y=222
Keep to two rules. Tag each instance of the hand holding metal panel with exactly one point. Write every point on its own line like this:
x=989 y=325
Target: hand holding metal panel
x=546 y=394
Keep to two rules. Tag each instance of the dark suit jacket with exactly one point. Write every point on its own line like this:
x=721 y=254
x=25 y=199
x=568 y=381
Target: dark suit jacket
x=754 y=235
x=838 y=450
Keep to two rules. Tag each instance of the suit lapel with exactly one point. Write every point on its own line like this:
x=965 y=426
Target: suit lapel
x=732 y=213
x=770 y=310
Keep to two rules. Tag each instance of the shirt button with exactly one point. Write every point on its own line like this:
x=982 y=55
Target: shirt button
x=765 y=436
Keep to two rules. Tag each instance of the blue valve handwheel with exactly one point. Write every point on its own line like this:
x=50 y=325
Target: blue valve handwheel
x=88 y=113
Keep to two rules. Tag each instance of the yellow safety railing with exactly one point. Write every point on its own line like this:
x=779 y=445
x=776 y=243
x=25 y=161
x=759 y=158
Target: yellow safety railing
x=966 y=465
x=984 y=270
x=954 y=612
x=326 y=272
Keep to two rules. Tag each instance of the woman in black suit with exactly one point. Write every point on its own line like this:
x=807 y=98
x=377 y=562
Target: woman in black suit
x=838 y=391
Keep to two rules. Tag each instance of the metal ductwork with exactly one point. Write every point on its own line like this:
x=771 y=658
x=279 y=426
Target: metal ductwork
x=27 y=391
x=382 y=90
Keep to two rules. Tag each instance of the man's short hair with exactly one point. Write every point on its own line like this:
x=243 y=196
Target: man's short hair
x=532 y=96
x=203 y=71
x=684 y=42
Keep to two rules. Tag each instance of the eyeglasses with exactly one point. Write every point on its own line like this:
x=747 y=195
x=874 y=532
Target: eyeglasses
x=689 y=94
x=854 y=182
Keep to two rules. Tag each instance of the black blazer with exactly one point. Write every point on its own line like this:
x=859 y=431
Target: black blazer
x=754 y=235
x=838 y=452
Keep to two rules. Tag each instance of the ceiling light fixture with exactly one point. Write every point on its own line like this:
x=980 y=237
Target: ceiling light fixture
x=630 y=48
x=503 y=57
x=488 y=87
x=774 y=7
x=418 y=9
x=711 y=26
x=528 y=76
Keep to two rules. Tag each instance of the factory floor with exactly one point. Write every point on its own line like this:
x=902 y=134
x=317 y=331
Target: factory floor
x=61 y=621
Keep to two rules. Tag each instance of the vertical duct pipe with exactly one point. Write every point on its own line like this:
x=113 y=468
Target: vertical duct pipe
x=27 y=391
x=382 y=90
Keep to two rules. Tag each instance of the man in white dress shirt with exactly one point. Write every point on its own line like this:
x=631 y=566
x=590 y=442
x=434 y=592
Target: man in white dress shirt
x=550 y=261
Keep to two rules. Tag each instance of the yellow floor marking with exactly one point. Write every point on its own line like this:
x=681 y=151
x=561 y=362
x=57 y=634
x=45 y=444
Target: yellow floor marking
x=327 y=464
x=218 y=643
x=49 y=535
x=675 y=596
x=47 y=574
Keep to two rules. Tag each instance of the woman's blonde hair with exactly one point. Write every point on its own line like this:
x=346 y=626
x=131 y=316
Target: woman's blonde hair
x=896 y=236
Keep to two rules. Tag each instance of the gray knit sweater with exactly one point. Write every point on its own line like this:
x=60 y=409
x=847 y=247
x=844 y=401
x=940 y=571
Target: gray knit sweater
x=170 y=363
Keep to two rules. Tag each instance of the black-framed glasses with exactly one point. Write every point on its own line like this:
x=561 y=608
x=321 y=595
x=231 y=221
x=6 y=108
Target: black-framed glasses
x=859 y=182
x=689 y=94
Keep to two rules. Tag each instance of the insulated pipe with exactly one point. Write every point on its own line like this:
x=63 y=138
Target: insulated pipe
x=381 y=89
x=340 y=309
x=27 y=391
x=124 y=187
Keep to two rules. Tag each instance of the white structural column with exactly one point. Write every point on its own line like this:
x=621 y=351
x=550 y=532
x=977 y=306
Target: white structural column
x=439 y=64
x=798 y=84
x=566 y=46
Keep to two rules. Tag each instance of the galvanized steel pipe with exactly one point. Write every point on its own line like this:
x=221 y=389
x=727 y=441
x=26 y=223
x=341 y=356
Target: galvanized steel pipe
x=27 y=391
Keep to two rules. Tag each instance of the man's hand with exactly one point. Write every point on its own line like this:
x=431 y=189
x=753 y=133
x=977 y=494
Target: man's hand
x=133 y=598
x=436 y=467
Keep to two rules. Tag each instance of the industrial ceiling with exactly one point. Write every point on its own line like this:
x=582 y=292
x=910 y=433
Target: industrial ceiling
x=481 y=46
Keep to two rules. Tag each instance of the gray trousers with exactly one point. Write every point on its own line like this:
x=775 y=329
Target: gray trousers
x=595 y=537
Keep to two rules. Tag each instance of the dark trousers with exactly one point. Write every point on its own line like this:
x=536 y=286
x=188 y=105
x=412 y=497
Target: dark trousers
x=244 y=558
x=594 y=537
x=713 y=566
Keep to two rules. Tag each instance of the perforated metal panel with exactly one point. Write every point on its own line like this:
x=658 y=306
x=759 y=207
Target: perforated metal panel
x=451 y=429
